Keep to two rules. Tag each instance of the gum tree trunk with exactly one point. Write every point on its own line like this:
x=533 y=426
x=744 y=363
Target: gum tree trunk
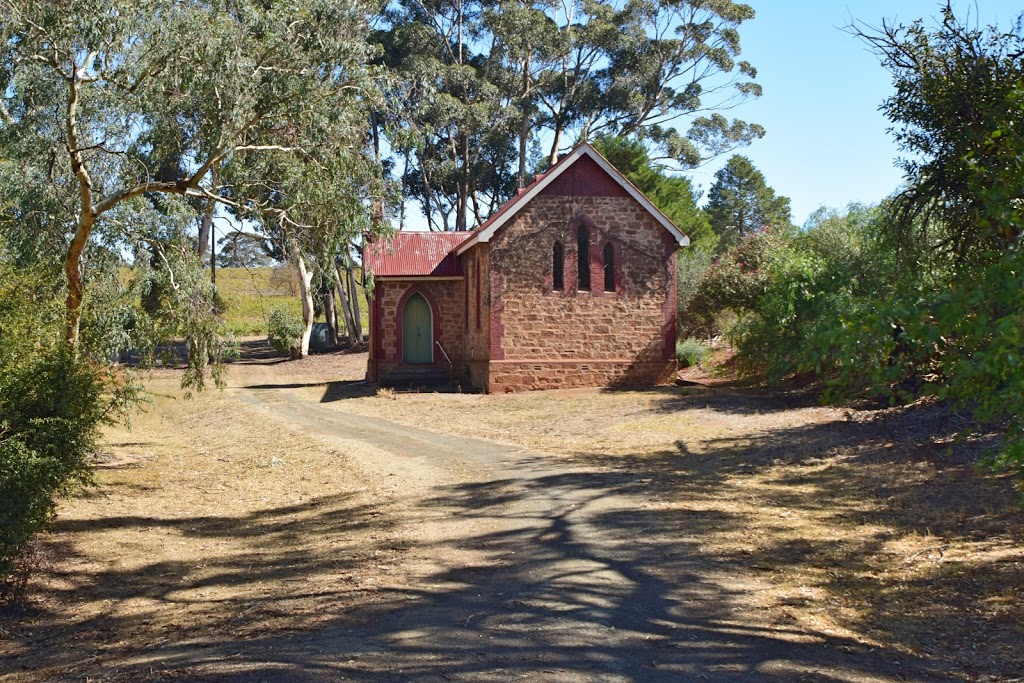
x=305 y=284
x=346 y=305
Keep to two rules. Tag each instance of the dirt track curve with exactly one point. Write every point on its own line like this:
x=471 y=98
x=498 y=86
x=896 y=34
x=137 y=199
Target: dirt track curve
x=519 y=565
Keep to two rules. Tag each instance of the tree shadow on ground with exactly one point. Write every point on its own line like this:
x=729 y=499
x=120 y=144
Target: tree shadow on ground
x=728 y=399
x=587 y=570
x=333 y=391
x=915 y=537
x=588 y=591
x=591 y=591
x=270 y=570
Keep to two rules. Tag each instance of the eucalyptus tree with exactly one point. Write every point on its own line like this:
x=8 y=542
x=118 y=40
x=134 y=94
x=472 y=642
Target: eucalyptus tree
x=644 y=68
x=447 y=116
x=673 y=194
x=482 y=85
x=106 y=104
x=322 y=201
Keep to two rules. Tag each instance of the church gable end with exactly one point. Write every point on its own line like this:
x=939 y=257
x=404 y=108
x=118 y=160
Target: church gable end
x=612 y=321
x=585 y=178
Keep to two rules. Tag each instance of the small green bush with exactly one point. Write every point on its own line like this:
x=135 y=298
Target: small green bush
x=691 y=352
x=51 y=407
x=284 y=330
x=733 y=282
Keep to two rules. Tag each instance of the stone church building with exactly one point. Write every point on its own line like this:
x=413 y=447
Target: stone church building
x=571 y=283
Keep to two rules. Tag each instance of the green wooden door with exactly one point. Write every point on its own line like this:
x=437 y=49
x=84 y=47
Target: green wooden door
x=417 y=331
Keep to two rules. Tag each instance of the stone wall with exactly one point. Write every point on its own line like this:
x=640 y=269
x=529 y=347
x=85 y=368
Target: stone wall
x=508 y=376
x=477 y=304
x=630 y=330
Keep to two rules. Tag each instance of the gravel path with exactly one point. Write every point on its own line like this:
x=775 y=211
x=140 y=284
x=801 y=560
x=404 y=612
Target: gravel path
x=518 y=565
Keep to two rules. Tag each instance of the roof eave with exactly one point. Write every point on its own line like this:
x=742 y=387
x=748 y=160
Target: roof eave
x=484 y=234
x=466 y=246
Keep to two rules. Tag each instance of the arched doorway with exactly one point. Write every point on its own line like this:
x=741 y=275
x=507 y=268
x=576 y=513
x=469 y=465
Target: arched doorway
x=417 y=331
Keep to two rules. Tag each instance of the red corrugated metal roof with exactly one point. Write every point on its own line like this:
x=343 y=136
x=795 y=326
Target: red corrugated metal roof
x=412 y=254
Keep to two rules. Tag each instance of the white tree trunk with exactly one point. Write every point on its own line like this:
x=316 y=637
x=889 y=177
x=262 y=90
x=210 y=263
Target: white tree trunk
x=305 y=283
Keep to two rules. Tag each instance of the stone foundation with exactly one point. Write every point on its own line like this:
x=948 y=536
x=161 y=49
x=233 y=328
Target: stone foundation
x=478 y=371
x=530 y=375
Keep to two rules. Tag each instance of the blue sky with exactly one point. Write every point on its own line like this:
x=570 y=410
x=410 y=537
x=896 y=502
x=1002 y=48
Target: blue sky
x=827 y=143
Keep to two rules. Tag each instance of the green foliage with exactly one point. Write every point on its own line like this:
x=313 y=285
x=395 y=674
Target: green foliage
x=691 y=352
x=284 y=330
x=835 y=268
x=183 y=306
x=51 y=405
x=952 y=324
x=792 y=297
x=690 y=268
x=480 y=84
x=740 y=203
x=243 y=250
x=120 y=120
x=959 y=94
x=733 y=282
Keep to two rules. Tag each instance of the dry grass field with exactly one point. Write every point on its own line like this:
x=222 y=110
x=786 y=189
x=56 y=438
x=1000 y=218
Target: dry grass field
x=869 y=524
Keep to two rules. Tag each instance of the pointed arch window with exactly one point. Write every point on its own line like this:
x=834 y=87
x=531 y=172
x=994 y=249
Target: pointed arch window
x=558 y=267
x=583 y=258
x=609 y=267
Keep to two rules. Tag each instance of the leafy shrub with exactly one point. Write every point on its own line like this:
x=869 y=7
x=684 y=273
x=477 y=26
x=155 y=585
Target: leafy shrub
x=733 y=282
x=956 y=329
x=51 y=407
x=690 y=268
x=284 y=330
x=691 y=352
x=789 y=296
x=182 y=305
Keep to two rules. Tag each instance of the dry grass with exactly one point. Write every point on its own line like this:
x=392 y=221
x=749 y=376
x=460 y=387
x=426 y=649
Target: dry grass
x=859 y=524
x=207 y=526
x=252 y=293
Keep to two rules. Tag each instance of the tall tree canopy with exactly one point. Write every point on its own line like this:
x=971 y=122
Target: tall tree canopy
x=740 y=202
x=957 y=110
x=113 y=113
x=957 y=113
x=483 y=83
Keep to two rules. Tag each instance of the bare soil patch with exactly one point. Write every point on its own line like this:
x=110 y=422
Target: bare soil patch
x=258 y=518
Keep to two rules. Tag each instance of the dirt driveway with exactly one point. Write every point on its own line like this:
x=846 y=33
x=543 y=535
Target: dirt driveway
x=298 y=527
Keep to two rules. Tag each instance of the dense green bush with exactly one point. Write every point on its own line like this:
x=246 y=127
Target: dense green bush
x=733 y=282
x=51 y=407
x=284 y=330
x=809 y=285
x=691 y=352
x=691 y=265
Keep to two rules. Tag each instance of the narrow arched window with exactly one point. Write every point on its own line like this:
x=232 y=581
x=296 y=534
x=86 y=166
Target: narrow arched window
x=583 y=258
x=609 y=268
x=558 y=267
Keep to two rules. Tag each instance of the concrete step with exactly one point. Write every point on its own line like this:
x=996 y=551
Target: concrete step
x=428 y=379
